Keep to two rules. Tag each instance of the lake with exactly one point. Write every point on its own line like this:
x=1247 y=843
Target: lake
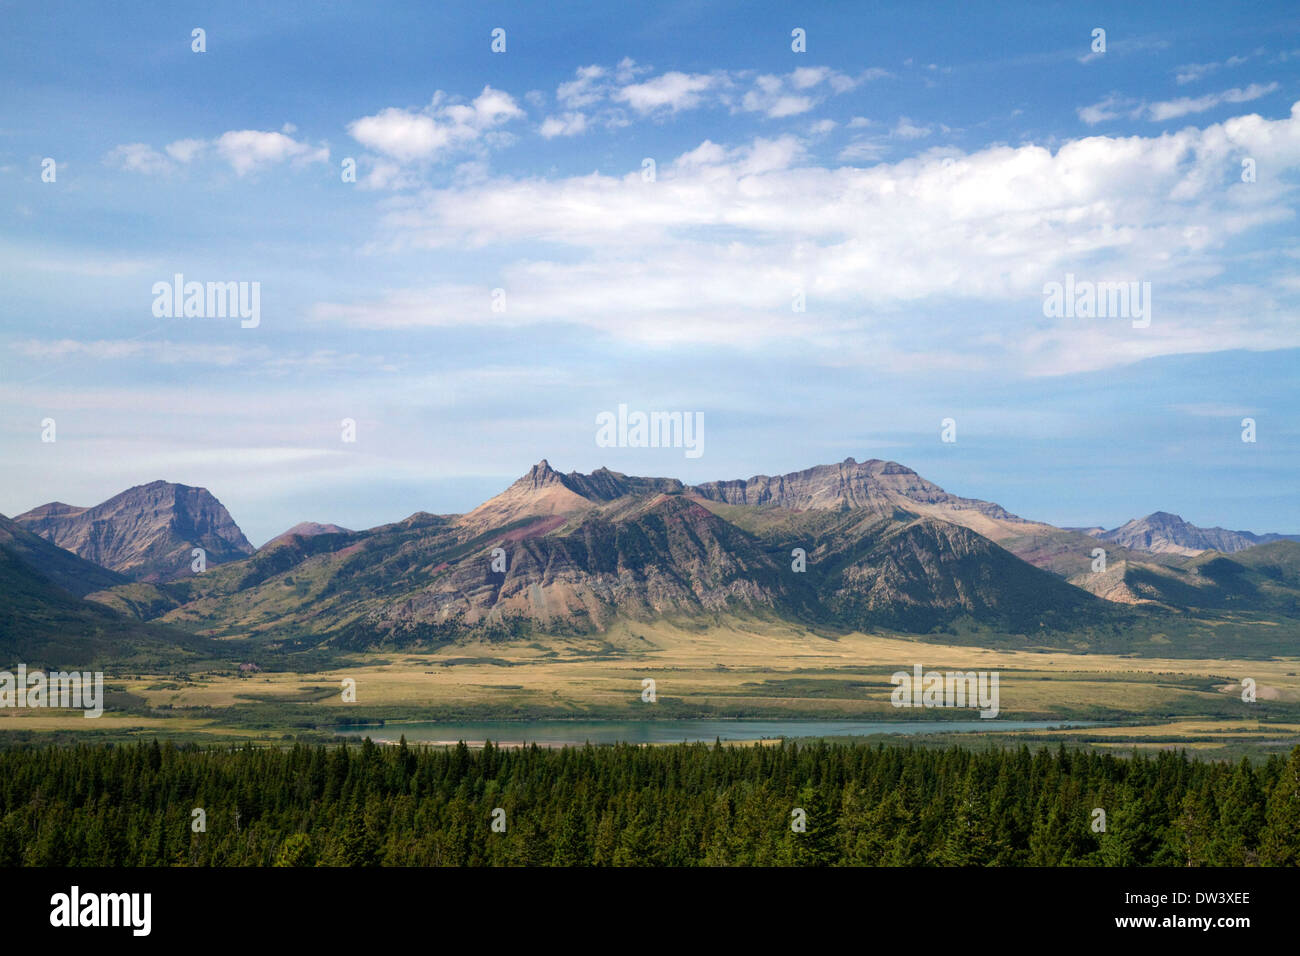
x=556 y=733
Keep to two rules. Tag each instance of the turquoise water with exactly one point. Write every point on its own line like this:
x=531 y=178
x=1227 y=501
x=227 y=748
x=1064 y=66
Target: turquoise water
x=554 y=733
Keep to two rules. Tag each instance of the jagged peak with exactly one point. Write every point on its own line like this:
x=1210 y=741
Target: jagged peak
x=539 y=475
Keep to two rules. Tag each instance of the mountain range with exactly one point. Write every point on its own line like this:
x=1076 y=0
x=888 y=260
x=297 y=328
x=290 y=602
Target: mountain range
x=841 y=546
x=1165 y=533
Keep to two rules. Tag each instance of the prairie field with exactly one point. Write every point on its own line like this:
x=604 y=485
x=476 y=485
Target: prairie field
x=724 y=671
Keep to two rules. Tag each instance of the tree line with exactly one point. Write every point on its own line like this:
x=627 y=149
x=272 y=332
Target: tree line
x=686 y=805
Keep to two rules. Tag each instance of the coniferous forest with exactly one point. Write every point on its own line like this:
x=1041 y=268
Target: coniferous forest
x=686 y=805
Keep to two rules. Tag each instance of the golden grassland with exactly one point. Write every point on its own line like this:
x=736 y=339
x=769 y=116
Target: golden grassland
x=765 y=671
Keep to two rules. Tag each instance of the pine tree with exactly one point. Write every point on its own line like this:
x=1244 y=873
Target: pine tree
x=1241 y=817
x=1280 y=837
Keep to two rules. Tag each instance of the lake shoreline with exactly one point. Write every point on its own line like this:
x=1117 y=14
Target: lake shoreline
x=570 y=733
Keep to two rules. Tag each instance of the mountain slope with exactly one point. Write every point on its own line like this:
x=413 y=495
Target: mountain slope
x=883 y=487
x=581 y=551
x=1260 y=580
x=42 y=625
x=915 y=572
x=63 y=568
x=146 y=532
x=836 y=547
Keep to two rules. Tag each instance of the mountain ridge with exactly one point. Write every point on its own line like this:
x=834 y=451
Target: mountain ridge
x=1163 y=532
x=851 y=545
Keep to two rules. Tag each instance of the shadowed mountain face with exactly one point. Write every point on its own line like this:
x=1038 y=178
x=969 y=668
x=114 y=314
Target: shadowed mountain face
x=44 y=626
x=574 y=553
x=1165 y=533
x=1264 y=579
x=45 y=623
x=846 y=546
x=147 y=532
x=62 y=568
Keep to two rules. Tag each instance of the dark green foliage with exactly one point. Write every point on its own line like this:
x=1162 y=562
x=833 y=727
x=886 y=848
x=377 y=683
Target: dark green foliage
x=687 y=805
x=42 y=625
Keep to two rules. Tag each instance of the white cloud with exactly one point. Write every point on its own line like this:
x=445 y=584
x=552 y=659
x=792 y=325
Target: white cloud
x=1191 y=72
x=1173 y=109
x=401 y=134
x=585 y=90
x=799 y=91
x=863 y=151
x=628 y=70
x=777 y=107
x=807 y=77
x=776 y=96
x=247 y=150
x=386 y=174
x=413 y=136
x=1110 y=108
x=906 y=129
x=565 y=124
x=184 y=150
x=1115 y=106
x=1125 y=46
x=673 y=92
x=138 y=158
x=720 y=241
x=771 y=95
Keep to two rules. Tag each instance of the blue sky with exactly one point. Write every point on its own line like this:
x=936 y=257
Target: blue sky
x=918 y=174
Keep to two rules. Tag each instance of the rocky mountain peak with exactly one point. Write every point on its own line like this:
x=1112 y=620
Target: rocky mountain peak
x=1162 y=532
x=147 y=532
x=540 y=475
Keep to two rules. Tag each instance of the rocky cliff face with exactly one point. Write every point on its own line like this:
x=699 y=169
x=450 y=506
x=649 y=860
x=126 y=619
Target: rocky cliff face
x=877 y=485
x=545 y=491
x=576 y=552
x=146 y=532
